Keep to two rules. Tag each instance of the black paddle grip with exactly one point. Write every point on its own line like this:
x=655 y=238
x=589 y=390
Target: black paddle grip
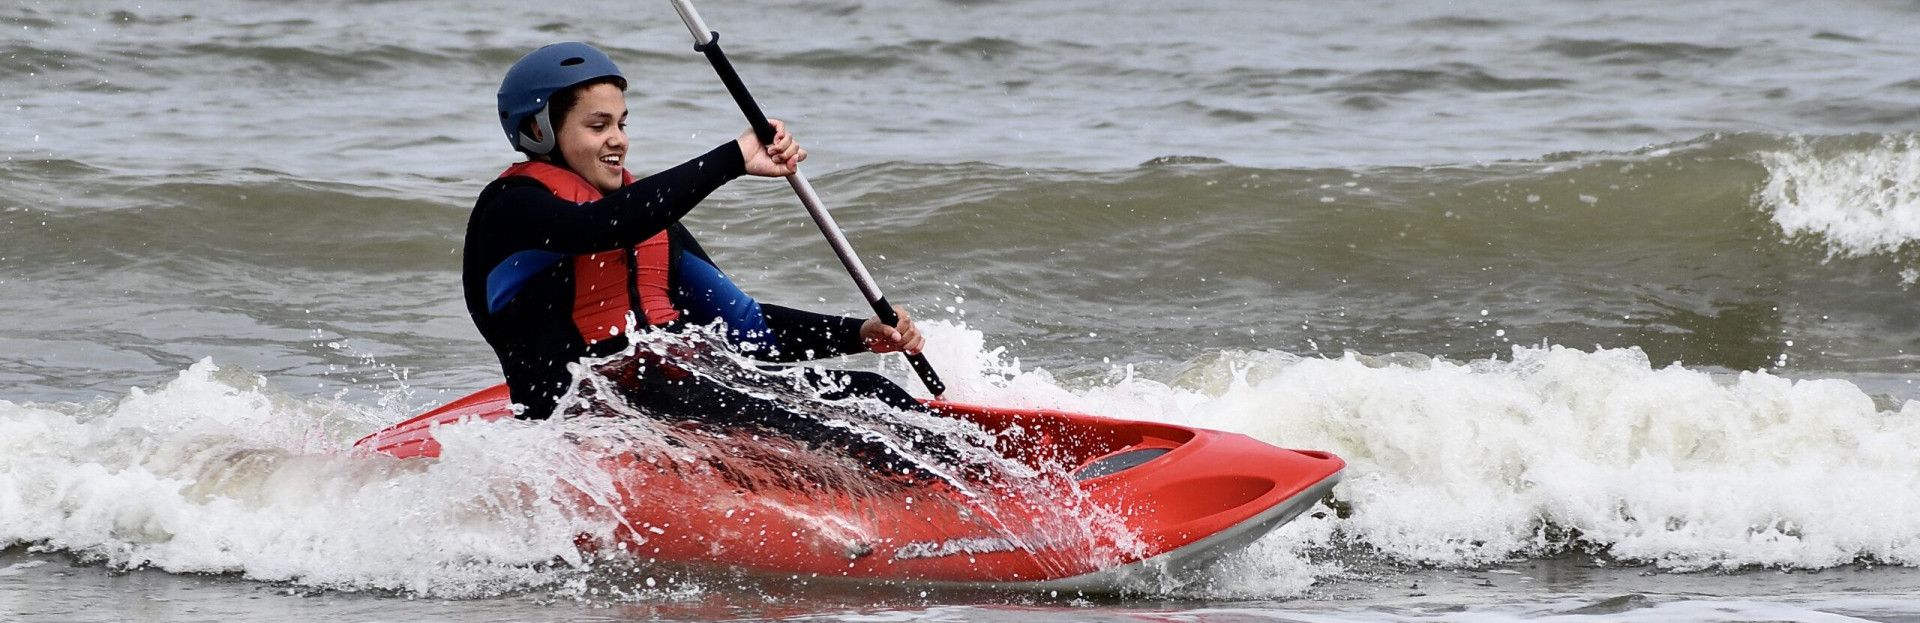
x=884 y=310
x=731 y=78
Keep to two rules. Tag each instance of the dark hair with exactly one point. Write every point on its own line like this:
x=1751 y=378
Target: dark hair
x=564 y=100
x=562 y=103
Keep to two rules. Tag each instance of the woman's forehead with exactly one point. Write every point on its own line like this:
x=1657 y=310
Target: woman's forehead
x=603 y=99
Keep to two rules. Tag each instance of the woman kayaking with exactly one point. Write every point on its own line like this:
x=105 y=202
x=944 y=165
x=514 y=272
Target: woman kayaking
x=566 y=251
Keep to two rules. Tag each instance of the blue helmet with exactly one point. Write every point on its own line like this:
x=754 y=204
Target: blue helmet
x=532 y=81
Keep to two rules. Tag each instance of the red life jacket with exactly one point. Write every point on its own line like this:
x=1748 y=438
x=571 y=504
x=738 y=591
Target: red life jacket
x=607 y=284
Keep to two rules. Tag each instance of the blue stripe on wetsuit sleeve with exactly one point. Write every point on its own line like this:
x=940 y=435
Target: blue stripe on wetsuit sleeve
x=703 y=293
x=504 y=281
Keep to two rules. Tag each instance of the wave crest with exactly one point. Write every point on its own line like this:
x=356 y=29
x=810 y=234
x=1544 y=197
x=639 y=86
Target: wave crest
x=1859 y=196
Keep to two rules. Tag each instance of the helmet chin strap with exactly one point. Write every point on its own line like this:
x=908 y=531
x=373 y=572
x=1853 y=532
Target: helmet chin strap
x=544 y=144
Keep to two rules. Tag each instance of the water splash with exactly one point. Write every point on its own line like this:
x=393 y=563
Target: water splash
x=859 y=452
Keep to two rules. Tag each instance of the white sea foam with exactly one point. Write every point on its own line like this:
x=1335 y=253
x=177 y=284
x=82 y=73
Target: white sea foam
x=1470 y=463
x=1452 y=464
x=216 y=473
x=1857 y=202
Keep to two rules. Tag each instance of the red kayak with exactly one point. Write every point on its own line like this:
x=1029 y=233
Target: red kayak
x=1106 y=504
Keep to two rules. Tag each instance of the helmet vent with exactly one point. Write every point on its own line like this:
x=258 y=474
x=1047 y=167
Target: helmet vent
x=572 y=61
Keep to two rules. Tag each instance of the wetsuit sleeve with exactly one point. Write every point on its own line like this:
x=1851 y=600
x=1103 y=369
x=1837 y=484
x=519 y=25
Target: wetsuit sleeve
x=803 y=335
x=530 y=217
x=798 y=335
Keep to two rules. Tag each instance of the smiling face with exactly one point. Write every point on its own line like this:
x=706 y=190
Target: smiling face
x=593 y=136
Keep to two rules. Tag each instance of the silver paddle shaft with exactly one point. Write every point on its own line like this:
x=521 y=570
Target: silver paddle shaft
x=701 y=34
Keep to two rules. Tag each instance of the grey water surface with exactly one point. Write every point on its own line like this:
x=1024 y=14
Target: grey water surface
x=282 y=187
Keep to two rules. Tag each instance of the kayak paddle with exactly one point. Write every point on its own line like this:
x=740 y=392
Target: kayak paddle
x=708 y=42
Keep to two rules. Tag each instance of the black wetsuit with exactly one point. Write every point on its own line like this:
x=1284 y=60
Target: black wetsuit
x=534 y=334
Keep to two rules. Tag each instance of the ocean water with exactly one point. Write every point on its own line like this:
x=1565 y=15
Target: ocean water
x=1611 y=307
